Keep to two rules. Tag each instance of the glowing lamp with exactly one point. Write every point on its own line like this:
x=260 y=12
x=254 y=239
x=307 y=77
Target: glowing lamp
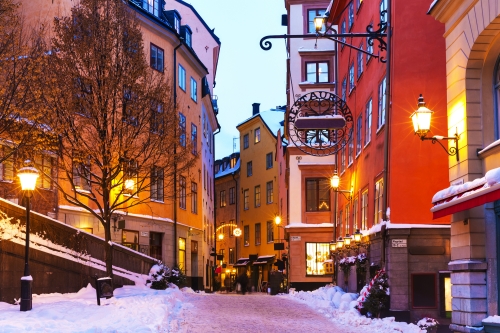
x=357 y=237
x=334 y=181
x=421 y=118
x=319 y=21
x=277 y=220
x=347 y=241
x=28 y=176
x=221 y=236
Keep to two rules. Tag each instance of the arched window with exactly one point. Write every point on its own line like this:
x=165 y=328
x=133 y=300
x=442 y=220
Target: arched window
x=496 y=88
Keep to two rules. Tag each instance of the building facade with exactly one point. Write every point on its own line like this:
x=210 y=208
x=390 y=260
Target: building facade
x=471 y=202
x=174 y=231
x=259 y=193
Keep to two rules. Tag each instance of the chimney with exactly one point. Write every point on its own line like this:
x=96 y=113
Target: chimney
x=255 y=108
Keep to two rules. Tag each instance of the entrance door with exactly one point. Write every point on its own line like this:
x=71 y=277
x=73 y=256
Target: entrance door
x=155 y=240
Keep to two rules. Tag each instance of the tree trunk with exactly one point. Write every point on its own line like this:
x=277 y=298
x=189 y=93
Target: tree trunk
x=108 y=249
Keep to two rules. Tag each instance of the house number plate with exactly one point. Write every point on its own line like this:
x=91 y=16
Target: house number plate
x=399 y=243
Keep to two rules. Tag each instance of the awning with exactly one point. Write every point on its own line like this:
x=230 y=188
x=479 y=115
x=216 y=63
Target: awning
x=262 y=260
x=471 y=196
x=242 y=262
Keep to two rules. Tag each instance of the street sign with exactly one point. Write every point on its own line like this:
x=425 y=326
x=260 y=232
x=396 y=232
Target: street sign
x=399 y=243
x=295 y=238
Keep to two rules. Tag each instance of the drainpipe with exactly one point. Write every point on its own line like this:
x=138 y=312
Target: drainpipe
x=175 y=152
x=386 y=132
x=236 y=212
x=215 y=209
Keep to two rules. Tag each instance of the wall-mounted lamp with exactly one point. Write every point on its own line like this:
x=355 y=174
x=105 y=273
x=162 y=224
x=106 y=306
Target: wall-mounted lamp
x=421 y=119
x=221 y=236
x=319 y=23
x=335 y=182
x=347 y=241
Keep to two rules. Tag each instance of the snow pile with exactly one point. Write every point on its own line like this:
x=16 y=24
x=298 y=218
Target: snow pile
x=338 y=305
x=131 y=309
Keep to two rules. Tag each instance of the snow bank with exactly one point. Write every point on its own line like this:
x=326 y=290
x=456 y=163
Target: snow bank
x=338 y=305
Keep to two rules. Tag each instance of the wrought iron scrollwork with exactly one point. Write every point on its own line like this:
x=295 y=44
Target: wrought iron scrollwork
x=320 y=142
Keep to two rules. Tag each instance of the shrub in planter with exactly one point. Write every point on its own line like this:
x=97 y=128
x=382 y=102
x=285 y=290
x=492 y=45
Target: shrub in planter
x=428 y=324
x=158 y=276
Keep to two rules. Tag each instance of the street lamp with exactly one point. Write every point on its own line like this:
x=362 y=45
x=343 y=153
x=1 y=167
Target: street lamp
x=421 y=120
x=347 y=242
x=319 y=23
x=27 y=176
x=357 y=237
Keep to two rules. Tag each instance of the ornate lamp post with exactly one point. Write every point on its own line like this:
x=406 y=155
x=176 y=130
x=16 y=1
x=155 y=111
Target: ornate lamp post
x=27 y=176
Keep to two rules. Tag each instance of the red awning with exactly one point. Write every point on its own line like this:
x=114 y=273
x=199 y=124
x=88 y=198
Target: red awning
x=467 y=200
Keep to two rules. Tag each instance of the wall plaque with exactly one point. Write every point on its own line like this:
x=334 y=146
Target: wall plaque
x=399 y=243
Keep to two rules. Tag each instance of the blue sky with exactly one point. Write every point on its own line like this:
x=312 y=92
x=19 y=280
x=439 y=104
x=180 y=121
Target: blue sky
x=246 y=74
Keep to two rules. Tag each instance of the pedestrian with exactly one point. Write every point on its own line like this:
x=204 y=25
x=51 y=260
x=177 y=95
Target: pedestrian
x=243 y=281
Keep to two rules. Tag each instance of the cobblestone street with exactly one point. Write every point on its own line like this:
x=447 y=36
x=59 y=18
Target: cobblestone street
x=254 y=312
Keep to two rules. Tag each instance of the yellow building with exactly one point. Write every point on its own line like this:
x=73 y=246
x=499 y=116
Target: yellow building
x=259 y=192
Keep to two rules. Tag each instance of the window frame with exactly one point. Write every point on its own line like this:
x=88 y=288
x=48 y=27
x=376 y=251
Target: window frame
x=312 y=251
x=257 y=196
x=157 y=184
x=222 y=198
x=194 y=139
x=316 y=181
x=194 y=197
x=351 y=78
x=359 y=134
x=368 y=121
x=317 y=12
x=256 y=135
x=249 y=168
x=269 y=192
x=194 y=89
x=182 y=192
x=364 y=209
x=232 y=197
x=382 y=88
x=130 y=245
x=344 y=88
x=269 y=161
x=182 y=77
x=270 y=231
x=360 y=61
x=317 y=63
x=378 y=201
x=156 y=50
x=350 y=15
x=246 y=199
x=246 y=141
x=182 y=129
x=258 y=234
x=246 y=235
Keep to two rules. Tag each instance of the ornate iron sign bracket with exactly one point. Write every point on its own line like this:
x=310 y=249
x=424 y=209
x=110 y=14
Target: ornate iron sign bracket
x=331 y=34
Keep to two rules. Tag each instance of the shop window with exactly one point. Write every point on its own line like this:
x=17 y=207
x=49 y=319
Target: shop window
x=182 y=254
x=130 y=239
x=316 y=256
x=445 y=295
x=423 y=290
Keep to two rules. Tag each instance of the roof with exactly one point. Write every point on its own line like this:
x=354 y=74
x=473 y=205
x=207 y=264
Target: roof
x=228 y=170
x=201 y=20
x=273 y=119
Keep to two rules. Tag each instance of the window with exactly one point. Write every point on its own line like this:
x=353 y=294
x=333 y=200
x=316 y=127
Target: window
x=194 y=139
x=249 y=169
x=81 y=173
x=257 y=233
x=379 y=193
x=355 y=215
x=424 y=290
x=156 y=59
x=130 y=175
x=128 y=110
x=351 y=15
x=182 y=254
x=182 y=192
x=182 y=129
x=317 y=195
x=182 y=78
x=232 y=196
x=317 y=72
x=358 y=4
x=316 y=255
x=245 y=141
x=369 y=47
x=231 y=228
x=194 y=198
x=177 y=23
x=270 y=235
x=256 y=135
x=189 y=40
x=342 y=160
x=246 y=198
x=151 y=6
x=350 y=152
x=232 y=256
x=156 y=123
x=342 y=31
x=344 y=88
x=359 y=132
x=130 y=239
x=347 y=222
x=497 y=99
x=311 y=14
x=232 y=162
x=368 y=122
x=269 y=160
x=257 y=196
x=381 y=103
x=383 y=10
x=340 y=221
x=351 y=76
x=44 y=164
x=223 y=198
x=7 y=166
x=360 y=61
x=364 y=210
x=157 y=182
x=246 y=235
x=194 y=90
x=269 y=192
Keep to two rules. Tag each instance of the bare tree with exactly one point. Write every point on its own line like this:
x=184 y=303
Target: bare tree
x=20 y=59
x=119 y=132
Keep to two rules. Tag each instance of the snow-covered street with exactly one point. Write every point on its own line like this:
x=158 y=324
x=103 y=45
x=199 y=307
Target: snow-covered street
x=141 y=309
x=255 y=312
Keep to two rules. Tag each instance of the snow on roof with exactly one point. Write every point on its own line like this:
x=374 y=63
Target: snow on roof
x=272 y=118
x=456 y=192
x=309 y=225
x=228 y=170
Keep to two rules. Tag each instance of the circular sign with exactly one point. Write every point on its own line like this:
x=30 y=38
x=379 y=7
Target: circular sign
x=316 y=140
x=237 y=232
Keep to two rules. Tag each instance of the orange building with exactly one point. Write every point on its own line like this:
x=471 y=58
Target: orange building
x=259 y=193
x=172 y=231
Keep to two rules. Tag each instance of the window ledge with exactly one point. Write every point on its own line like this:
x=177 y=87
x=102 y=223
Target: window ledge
x=380 y=128
x=7 y=181
x=157 y=201
x=367 y=144
x=79 y=190
x=309 y=85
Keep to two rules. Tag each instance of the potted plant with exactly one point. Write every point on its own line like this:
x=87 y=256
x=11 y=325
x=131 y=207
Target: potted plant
x=428 y=324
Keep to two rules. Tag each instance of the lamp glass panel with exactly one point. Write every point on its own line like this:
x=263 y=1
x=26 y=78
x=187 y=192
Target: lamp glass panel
x=357 y=237
x=340 y=243
x=28 y=180
x=318 y=23
x=335 y=181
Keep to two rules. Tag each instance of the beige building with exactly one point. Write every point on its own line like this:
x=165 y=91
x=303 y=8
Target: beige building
x=473 y=79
